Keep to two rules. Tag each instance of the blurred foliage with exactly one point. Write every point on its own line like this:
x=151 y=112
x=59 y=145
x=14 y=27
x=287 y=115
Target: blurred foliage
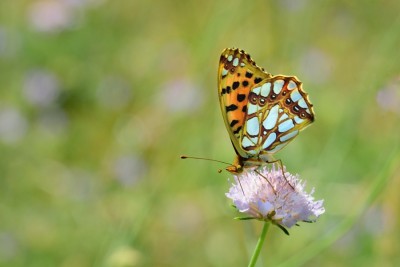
x=99 y=98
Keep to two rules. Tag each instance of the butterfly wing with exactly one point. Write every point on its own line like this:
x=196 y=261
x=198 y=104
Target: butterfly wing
x=237 y=74
x=277 y=110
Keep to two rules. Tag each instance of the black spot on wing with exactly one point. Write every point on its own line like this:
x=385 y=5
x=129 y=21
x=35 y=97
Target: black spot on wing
x=249 y=74
x=235 y=85
x=233 y=123
x=257 y=80
x=241 y=97
x=245 y=83
x=237 y=130
x=231 y=107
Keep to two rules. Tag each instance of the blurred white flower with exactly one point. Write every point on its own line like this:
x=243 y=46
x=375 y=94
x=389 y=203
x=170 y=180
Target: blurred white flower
x=51 y=15
x=316 y=66
x=293 y=5
x=3 y=41
x=41 y=88
x=388 y=97
x=181 y=95
x=9 y=247
x=75 y=3
x=378 y=220
x=79 y=3
x=12 y=125
x=129 y=169
x=266 y=195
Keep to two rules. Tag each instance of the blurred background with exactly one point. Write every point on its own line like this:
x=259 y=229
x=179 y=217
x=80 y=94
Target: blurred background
x=98 y=99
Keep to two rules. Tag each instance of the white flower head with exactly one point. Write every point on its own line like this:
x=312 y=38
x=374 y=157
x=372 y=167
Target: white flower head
x=268 y=195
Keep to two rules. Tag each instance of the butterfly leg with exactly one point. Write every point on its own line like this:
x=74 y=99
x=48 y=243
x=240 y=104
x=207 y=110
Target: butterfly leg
x=266 y=179
x=281 y=167
x=241 y=187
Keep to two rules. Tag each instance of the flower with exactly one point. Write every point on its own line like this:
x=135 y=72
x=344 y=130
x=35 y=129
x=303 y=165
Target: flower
x=268 y=195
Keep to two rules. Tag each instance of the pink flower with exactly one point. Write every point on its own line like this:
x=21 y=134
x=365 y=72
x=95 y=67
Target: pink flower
x=265 y=194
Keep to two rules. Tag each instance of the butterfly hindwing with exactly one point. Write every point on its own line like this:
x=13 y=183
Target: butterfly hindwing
x=277 y=110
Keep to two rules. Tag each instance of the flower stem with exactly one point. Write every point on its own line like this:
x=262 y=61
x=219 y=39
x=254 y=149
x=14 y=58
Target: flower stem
x=260 y=242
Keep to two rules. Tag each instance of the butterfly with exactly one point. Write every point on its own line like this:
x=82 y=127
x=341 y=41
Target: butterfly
x=262 y=112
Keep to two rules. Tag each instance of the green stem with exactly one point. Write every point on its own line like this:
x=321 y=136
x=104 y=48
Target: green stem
x=259 y=245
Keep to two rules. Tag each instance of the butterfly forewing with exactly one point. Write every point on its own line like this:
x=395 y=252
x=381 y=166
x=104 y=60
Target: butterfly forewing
x=277 y=110
x=237 y=74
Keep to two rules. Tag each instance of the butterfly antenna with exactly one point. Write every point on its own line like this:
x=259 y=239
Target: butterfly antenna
x=219 y=161
x=188 y=157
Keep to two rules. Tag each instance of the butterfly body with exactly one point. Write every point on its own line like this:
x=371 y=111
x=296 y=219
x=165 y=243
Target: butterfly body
x=262 y=112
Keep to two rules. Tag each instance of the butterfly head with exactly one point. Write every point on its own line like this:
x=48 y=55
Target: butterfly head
x=237 y=165
x=234 y=169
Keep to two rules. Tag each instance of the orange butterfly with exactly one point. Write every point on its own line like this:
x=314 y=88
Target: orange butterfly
x=262 y=112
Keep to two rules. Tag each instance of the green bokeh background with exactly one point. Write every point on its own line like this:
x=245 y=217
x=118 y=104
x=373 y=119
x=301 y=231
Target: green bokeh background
x=98 y=99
